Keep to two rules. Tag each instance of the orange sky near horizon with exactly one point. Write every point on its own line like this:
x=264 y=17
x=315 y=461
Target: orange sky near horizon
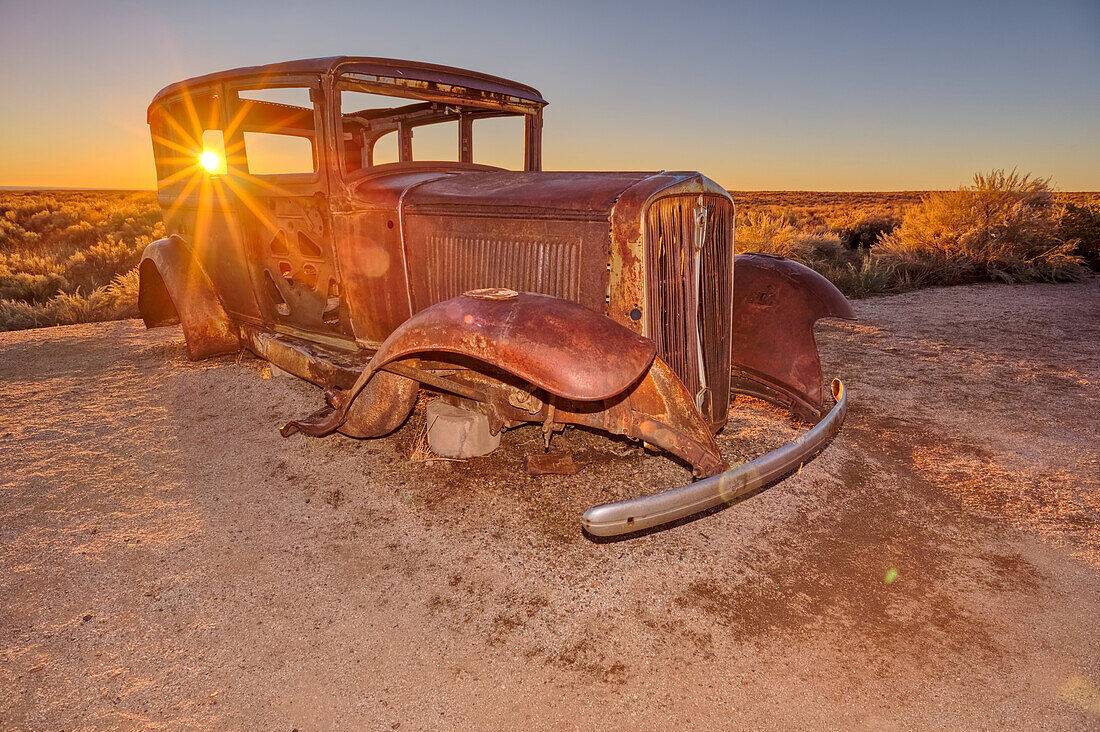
x=796 y=98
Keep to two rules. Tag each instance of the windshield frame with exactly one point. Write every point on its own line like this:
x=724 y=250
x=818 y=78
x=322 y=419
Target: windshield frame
x=430 y=103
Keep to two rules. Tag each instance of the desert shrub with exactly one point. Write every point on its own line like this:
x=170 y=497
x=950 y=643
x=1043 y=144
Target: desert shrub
x=31 y=263
x=866 y=231
x=1004 y=227
x=117 y=299
x=1081 y=224
x=124 y=291
x=70 y=256
x=763 y=232
x=96 y=265
x=859 y=277
x=823 y=246
x=28 y=287
x=19 y=315
x=78 y=235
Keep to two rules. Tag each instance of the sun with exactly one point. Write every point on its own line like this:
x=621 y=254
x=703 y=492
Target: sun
x=210 y=161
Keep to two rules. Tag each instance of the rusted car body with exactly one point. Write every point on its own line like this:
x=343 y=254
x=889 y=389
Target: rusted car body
x=606 y=300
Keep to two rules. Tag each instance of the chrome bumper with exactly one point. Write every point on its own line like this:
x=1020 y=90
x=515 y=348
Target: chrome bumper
x=635 y=514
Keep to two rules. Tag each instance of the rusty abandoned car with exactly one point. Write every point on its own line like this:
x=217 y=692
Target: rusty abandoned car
x=309 y=225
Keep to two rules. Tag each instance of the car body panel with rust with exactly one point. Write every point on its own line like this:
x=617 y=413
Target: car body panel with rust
x=308 y=227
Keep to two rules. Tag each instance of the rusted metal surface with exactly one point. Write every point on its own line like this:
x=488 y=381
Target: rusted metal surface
x=383 y=406
x=550 y=463
x=558 y=346
x=579 y=367
x=535 y=232
x=656 y=410
x=636 y=514
x=689 y=254
x=351 y=274
x=389 y=72
x=776 y=304
x=174 y=288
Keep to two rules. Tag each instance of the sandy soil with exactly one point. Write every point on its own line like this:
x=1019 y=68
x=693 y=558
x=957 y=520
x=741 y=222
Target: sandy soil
x=168 y=561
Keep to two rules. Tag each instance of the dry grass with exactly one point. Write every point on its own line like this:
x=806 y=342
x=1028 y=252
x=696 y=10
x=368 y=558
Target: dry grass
x=419 y=451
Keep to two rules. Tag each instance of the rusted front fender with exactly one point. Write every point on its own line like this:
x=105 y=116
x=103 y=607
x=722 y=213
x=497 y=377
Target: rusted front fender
x=586 y=370
x=776 y=302
x=173 y=288
x=557 y=345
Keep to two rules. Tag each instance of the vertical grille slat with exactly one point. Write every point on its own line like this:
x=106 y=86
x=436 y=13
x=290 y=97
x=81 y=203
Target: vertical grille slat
x=688 y=315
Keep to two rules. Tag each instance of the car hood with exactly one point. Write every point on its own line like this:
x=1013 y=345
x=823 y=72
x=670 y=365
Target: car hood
x=581 y=195
x=561 y=195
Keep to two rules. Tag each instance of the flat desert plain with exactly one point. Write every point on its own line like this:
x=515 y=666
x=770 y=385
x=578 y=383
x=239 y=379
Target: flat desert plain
x=168 y=561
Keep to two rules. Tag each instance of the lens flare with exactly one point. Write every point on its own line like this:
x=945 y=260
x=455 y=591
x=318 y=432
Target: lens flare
x=210 y=161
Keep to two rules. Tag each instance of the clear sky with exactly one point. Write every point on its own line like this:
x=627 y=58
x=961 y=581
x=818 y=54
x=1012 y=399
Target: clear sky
x=875 y=95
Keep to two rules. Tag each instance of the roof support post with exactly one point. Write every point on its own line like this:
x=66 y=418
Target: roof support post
x=465 y=139
x=532 y=139
x=405 y=143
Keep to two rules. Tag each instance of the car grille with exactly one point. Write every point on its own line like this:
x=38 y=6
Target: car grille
x=689 y=296
x=462 y=263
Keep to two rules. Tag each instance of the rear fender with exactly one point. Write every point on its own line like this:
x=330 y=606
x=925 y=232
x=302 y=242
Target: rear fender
x=776 y=302
x=175 y=289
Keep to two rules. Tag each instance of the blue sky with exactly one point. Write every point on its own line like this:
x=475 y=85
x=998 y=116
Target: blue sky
x=781 y=95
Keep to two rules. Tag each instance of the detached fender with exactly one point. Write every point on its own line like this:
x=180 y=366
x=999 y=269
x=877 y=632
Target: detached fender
x=602 y=374
x=776 y=302
x=174 y=288
x=557 y=345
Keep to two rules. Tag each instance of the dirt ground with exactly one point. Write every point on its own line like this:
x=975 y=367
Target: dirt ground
x=167 y=560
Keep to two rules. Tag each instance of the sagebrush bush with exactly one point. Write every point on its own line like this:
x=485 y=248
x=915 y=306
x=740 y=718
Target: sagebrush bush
x=1004 y=227
x=859 y=278
x=30 y=287
x=1081 y=224
x=97 y=265
x=865 y=232
x=70 y=257
x=117 y=299
x=763 y=232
